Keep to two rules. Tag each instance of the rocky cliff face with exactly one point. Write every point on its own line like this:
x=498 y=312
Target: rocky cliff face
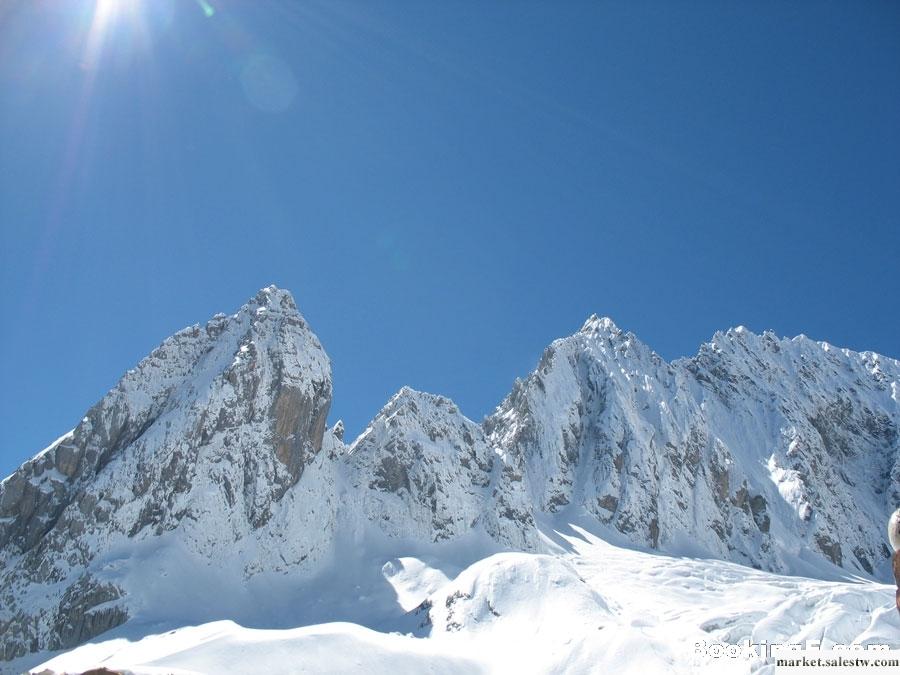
x=199 y=443
x=213 y=452
x=423 y=470
x=759 y=450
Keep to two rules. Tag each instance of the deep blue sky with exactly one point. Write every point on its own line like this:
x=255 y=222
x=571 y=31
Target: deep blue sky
x=445 y=187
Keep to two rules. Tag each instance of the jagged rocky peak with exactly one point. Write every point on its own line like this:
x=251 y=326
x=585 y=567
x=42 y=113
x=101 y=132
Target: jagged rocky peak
x=416 y=416
x=423 y=469
x=600 y=325
x=260 y=364
x=423 y=466
x=549 y=417
x=763 y=450
x=605 y=341
x=608 y=342
x=202 y=439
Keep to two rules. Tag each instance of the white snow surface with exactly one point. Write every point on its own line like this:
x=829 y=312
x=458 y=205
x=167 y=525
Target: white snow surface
x=587 y=607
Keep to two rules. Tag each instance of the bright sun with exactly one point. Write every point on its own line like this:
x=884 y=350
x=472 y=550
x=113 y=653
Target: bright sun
x=105 y=10
x=105 y=14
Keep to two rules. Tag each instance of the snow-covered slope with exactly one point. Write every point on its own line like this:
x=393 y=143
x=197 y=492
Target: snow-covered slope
x=206 y=486
x=588 y=607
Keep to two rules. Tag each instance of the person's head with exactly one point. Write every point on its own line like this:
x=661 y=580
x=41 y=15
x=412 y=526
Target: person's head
x=894 y=530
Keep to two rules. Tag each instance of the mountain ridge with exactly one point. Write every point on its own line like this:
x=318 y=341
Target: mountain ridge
x=778 y=453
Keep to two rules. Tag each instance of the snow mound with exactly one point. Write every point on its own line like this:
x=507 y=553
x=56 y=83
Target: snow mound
x=595 y=608
x=528 y=592
x=226 y=647
x=528 y=613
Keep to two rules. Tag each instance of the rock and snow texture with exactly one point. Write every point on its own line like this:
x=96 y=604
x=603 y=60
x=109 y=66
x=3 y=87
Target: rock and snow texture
x=198 y=447
x=205 y=485
x=424 y=471
x=777 y=453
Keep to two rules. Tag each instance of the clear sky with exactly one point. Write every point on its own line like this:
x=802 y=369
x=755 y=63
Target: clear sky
x=446 y=187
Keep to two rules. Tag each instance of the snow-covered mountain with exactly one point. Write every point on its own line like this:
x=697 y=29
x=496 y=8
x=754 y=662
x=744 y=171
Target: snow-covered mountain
x=206 y=485
x=777 y=453
x=423 y=470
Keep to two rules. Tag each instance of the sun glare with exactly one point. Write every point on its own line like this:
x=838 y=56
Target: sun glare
x=104 y=12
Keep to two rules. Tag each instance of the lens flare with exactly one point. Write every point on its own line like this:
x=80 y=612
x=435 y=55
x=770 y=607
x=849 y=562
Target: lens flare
x=208 y=9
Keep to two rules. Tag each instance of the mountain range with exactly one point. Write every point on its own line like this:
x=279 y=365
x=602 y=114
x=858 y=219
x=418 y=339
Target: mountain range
x=207 y=486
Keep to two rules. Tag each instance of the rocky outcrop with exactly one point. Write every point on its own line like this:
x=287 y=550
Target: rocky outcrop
x=423 y=470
